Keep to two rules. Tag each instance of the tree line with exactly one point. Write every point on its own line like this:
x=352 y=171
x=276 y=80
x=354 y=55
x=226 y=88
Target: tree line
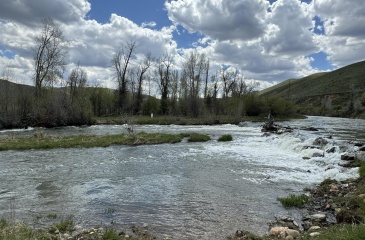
x=192 y=90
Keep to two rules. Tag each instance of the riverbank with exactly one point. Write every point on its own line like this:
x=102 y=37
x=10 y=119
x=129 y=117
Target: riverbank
x=176 y=120
x=335 y=210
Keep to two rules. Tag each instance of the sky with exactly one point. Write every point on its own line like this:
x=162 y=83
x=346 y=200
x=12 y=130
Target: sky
x=267 y=41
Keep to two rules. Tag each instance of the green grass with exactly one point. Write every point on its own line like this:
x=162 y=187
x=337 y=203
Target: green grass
x=340 y=232
x=362 y=170
x=65 y=226
x=110 y=234
x=294 y=200
x=195 y=137
x=20 y=231
x=87 y=141
x=225 y=138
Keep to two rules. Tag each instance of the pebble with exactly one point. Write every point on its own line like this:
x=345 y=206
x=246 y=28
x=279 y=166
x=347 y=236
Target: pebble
x=319 y=216
x=313 y=228
x=314 y=234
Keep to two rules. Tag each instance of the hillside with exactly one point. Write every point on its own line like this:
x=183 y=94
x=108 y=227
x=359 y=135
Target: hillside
x=334 y=89
x=338 y=81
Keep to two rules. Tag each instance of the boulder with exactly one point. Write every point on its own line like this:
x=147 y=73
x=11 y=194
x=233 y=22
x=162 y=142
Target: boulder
x=279 y=232
x=331 y=150
x=320 y=141
x=313 y=228
x=314 y=234
x=317 y=154
x=318 y=217
x=293 y=233
x=284 y=232
x=362 y=149
x=348 y=157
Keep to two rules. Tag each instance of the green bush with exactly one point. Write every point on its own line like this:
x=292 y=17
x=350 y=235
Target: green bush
x=294 y=200
x=225 y=138
x=198 y=138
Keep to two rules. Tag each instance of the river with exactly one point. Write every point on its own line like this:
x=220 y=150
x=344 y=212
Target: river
x=184 y=190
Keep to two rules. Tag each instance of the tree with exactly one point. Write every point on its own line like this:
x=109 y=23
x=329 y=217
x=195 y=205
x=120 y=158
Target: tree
x=49 y=55
x=142 y=70
x=120 y=62
x=228 y=77
x=164 y=70
x=194 y=68
x=76 y=81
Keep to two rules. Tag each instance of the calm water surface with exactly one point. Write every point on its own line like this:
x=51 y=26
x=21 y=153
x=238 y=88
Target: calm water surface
x=185 y=190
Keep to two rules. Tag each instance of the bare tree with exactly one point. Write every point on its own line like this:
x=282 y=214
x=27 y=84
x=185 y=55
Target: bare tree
x=206 y=79
x=121 y=61
x=174 y=94
x=194 y=68
x=76 y=81
x=49 y=55
x=142 y=70
x=164 y=70
x=228 y=77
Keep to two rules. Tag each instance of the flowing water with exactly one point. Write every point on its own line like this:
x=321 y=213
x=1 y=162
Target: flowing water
x=184 y=190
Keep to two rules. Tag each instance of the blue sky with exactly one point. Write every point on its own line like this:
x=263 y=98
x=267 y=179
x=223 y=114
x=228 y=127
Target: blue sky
x=265 y=40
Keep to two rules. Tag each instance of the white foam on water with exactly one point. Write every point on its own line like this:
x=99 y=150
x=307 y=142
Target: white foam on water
x=289 y=157
x=17 y=130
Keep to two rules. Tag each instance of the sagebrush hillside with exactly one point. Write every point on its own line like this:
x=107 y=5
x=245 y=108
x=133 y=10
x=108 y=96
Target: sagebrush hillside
x=336 y=93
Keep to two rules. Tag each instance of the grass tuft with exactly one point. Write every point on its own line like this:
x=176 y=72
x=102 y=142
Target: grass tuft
x=198 y=138
x=110 y=234
x=294 y=200
x=225 y=138
x=362 y=170
x=65 y=226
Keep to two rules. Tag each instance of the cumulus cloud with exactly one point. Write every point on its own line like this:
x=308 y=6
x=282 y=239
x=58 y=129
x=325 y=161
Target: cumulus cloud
x=220 y=19
x=148 y=24
x=343 y=22
x=265 y=41
x=289 y=33
x=90 y=43
x=31 y=12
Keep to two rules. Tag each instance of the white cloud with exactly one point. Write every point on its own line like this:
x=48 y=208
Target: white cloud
x=149 y=24
x=92 y=44
x=31 y=12
x=343 y=22
x=289 y=33
x=220 y=19
x=267 y=42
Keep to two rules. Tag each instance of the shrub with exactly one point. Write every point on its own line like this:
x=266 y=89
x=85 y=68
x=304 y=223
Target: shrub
x=225 y=138
x=362 y=170
x=294 y=200
x=110 y=234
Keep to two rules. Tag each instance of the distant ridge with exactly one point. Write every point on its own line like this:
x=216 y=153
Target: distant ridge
x=319 y=84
